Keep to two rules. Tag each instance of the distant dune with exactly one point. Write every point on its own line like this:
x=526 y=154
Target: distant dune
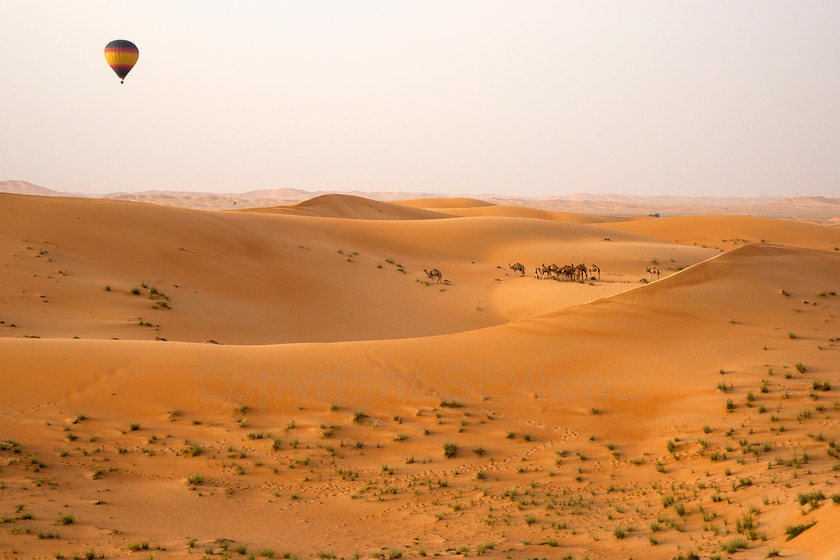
x=815 y=209
x=505 y=211
x=22 y=187
x=355 y=207
x=289 y=382
x=445 y=202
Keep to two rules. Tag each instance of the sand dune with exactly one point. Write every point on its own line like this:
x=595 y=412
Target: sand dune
x=816 y=209
x=588 y=419
x=25 y=187
x=354 y=207
x=533 y=213
x=726 y=232
x=470 y=207
x=246 y=277
x=445 y=202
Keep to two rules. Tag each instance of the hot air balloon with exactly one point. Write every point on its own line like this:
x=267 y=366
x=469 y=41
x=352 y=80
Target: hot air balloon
x=121 y=56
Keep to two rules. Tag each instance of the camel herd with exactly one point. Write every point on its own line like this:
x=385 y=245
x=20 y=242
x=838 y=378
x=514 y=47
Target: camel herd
x=569 y=272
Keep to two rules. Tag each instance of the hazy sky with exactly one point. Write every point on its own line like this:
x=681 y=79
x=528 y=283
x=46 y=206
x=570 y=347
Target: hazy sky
x=536 y=98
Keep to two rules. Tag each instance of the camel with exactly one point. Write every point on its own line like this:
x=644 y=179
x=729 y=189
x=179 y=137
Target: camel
x=566 y=272
x=651 y=270
x=580 y=272
x=593 y=268
x=517 y=268
x=538 y=272
x=434 y=274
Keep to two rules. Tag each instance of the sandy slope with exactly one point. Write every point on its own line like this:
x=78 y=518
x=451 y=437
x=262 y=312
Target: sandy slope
x=610 y=392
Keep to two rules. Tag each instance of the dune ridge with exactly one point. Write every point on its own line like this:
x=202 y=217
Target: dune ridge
x=507 y=211
x=355 y=207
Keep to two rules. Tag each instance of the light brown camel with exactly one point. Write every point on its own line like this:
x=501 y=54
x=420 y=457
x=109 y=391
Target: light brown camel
x=517 y=268
x=593 y=268
x=651 y=270
x=580 y=272
x=538 y=272
x=434 y=274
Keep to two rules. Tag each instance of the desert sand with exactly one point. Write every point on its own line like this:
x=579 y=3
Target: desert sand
x=287 y=381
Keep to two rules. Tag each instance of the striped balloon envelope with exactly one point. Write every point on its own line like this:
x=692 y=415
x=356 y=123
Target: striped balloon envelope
x=121 y=56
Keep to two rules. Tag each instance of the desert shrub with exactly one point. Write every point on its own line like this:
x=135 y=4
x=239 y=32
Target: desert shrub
x=195 y=479
x=450 y=450
x=191 y=449
x=735 y=545
x=10 y=445
x=794 y=530
x=814 y=499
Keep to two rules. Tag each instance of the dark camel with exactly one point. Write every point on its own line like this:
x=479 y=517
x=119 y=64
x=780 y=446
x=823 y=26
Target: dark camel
x=434 y=274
